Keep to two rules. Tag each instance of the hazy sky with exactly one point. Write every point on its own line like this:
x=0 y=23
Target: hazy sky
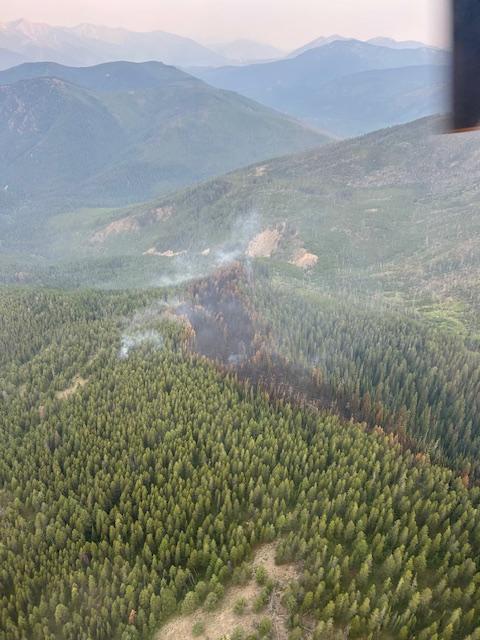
x=284 y=23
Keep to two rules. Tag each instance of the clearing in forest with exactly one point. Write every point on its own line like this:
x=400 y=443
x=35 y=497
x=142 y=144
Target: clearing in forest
x=224 y=619
x=77 y=383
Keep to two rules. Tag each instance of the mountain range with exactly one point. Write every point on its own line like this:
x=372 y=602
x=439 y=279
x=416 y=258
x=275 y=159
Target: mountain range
x=87 y=45
x=345 y=87
x=340 y=86
x=123 y=132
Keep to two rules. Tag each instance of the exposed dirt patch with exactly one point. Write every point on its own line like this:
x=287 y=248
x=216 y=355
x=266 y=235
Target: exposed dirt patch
x=264 y=244
x=133 y=223
x=304 y=259
x=169 y=253
x=78 y=383
x=124 y=225
x=224 y=620
x=260 y=171
x=265 y=556
x=163 y=254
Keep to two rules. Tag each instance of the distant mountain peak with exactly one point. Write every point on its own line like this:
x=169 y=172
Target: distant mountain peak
x=379 y=41
x=27 y=28
x=88 y=44
x=397 y=44
x=99 y=32
x=318 y=42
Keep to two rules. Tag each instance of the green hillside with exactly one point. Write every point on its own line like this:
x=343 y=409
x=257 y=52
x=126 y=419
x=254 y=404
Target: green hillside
x=53 y=135
x=122 y=133
x=395 y=212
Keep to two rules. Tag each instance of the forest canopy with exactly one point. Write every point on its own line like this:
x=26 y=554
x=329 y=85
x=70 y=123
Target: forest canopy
x=157 y=476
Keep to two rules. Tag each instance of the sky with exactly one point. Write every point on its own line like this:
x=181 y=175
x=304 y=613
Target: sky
x=284 y=23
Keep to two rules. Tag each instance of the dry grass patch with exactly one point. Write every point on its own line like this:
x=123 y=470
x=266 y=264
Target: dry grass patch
x=264 y=244
x=304 y=259
x=124 y=225
x=224 y=620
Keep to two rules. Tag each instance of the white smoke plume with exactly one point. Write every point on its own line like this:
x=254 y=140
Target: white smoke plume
x=202 y=262
x=142 y=329
x=133 y=340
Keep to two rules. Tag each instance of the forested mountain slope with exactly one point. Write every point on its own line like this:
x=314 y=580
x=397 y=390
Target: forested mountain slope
x=373 y=363
x=369 y=100
x=395 y=212
x=156 y=477
x=123 y=132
